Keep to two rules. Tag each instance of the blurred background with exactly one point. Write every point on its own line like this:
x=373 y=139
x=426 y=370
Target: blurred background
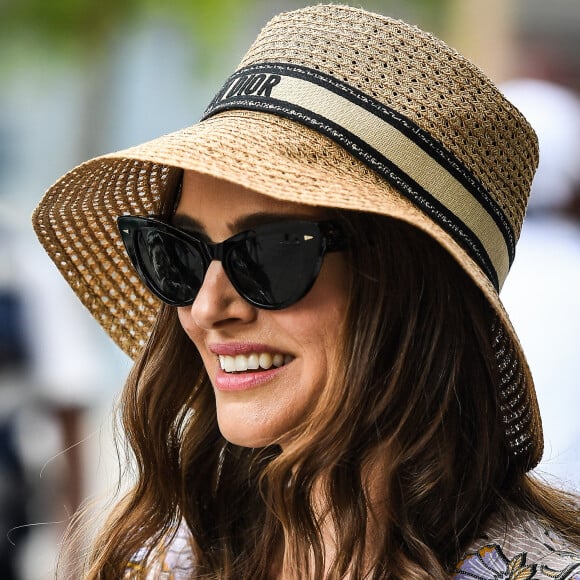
x=79 y=78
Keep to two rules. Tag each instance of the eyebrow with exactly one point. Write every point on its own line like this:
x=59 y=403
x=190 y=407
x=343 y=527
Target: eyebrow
x=187 y=222
x=241 y=224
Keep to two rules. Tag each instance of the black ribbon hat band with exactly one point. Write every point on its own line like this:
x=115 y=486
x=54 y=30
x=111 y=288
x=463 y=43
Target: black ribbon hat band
x=390 y=144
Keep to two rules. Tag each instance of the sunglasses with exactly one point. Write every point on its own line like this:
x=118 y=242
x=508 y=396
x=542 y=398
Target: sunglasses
x=272 y=266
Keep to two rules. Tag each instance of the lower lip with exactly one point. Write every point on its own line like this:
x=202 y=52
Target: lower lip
x=244 y=381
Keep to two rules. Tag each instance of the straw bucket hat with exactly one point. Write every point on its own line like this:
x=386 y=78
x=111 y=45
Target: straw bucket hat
x=331 y=106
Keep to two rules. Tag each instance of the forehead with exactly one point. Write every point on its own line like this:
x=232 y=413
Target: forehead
x=211 y=201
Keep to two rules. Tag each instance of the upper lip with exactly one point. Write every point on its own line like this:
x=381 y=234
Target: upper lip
x=234 y=348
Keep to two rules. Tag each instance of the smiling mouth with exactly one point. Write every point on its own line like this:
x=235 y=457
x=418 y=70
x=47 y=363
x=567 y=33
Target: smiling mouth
x=255 y=361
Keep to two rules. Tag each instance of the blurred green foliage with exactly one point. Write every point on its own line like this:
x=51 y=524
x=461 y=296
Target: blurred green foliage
x=83 y=29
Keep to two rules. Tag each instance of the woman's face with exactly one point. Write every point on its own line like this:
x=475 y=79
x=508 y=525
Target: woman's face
x=257 y=406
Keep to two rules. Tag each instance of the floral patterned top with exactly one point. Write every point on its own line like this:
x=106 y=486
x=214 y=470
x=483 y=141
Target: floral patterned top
x=172 y=561
x=523 y=549
x=520 y=549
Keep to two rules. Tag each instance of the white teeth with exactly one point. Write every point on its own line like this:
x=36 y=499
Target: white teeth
x=253 y=361
x=241 y=363
x=265 y=360
x=228 y=364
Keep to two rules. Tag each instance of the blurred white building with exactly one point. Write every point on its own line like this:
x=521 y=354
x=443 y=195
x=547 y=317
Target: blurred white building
x=542 y=289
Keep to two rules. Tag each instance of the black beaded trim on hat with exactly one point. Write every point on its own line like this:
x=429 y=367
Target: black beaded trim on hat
x=434 y=179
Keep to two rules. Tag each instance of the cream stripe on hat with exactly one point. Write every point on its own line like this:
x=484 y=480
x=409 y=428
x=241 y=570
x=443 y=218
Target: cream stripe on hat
x=390 y=144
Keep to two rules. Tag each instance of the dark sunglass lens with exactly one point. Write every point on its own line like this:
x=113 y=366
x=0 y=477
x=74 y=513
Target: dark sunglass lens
x=173 y=268
x=277 y=266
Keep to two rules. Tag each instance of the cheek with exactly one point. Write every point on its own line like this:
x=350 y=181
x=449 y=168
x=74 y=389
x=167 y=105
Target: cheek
x=190 y=328
x=332 y=312
x=318 y=321
x=329 y=298
x=184 y=319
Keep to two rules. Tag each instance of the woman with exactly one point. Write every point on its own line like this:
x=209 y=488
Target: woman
x=331 y=387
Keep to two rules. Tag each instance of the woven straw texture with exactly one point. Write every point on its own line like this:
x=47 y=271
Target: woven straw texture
x=424 y=79
x=397 y=64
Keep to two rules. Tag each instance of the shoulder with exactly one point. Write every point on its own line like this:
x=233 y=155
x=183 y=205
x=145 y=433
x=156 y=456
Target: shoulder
x=173 y=559
x=520 y=548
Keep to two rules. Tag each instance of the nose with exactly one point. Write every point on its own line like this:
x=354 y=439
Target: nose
x=218 y=302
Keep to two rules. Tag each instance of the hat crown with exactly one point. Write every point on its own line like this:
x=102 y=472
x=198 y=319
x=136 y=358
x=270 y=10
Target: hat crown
x=422 y=78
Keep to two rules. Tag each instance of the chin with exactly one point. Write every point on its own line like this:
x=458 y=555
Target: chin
x=249 y=441
x=251 y=438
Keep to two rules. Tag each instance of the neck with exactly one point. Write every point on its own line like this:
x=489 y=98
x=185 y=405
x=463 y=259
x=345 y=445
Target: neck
x=375 y=483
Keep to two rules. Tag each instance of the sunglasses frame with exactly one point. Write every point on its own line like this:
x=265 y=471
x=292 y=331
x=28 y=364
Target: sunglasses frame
x=332 y=240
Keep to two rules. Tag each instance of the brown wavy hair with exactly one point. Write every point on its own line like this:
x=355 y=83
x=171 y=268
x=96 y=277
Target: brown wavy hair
x=404 y=456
